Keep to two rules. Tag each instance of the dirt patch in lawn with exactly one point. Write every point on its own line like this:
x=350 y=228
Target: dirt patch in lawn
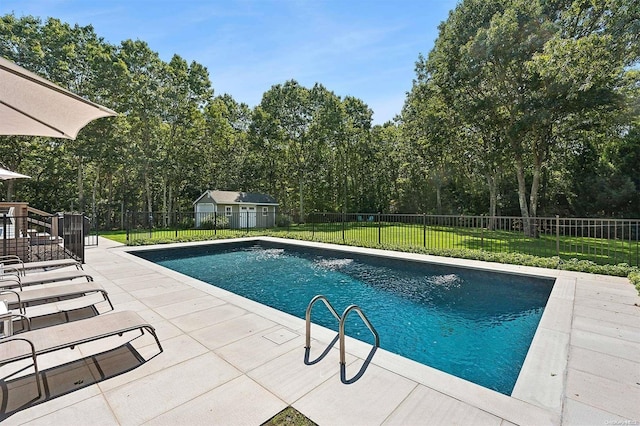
x=289 y=417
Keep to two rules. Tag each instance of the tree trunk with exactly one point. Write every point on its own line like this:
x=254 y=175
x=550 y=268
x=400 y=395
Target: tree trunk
x=94 y=194
x=492 y=182
x=522 y=198
x=10 y=189
x=80 y=186
x=301 y=197
x=437 y=180
x=147 y=189
x=110 y=201
x=170 y=207
x=533 y=197
x=165 y=221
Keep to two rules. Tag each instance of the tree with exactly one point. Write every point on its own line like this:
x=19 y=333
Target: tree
x=389 y=156
x=359 y=157
x=429 y=128
x=225 y=152
x=76 y=58
x=187 y=90
x=531 y=67
x=327 y=176
x=143 y=101
x=283 y=121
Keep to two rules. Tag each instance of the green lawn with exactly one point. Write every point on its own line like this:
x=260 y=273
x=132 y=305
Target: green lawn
x=600 y=251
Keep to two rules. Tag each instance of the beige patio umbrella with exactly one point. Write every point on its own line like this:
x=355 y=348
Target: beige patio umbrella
x=33 y=106
x=8 y=174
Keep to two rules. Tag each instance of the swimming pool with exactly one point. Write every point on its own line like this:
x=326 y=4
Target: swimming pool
x=473 y=324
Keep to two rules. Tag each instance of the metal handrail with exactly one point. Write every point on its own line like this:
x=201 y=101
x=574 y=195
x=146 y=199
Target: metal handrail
x=366 y=322
x=308 y=316
x=341 y=321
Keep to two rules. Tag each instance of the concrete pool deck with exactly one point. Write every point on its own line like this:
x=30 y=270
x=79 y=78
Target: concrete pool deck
x=228 y=360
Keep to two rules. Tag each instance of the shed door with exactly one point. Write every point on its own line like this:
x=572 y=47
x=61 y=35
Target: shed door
x=248 y=217
x=204 y=212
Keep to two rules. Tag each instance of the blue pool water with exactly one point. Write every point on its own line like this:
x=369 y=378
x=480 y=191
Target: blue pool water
x=474 y=324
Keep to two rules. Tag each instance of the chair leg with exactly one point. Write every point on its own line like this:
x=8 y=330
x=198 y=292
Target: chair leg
x=152 y=331
x=106 y=297
x=35 y=367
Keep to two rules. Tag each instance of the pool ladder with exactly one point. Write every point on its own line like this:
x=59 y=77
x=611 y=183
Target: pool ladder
x=341 y=322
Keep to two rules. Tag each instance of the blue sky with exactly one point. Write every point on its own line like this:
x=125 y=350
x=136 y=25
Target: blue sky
x=361 y=48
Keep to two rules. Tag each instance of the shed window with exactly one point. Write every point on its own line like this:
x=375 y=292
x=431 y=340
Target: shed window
x=265 y=211
x=227 y=210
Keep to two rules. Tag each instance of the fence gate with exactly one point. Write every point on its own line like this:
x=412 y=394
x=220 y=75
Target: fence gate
x=73 y=234
x=90 y=231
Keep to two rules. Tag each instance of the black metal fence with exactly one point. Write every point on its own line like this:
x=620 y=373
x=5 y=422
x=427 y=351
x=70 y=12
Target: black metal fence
x=91 y=231
x=38 y=237
x=603 y=241
x=159 y=226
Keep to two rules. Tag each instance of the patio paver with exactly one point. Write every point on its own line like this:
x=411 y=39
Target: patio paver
x=231 y=361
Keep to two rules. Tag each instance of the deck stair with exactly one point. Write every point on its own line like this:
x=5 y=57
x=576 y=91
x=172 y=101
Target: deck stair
x=30 y=233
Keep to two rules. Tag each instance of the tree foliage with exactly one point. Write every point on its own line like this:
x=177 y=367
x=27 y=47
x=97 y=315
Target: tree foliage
x=523 y=78
x=522 y=107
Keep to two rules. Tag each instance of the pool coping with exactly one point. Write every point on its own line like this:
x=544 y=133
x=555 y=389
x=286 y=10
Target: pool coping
x=538 y=395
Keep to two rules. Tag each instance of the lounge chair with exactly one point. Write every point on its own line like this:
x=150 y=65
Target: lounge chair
x=23 y=299
x=51 y=300
x=10 y=280
x=31 y=344
x=14 y=262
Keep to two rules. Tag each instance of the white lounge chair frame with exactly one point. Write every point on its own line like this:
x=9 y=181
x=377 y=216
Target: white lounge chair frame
x=24 y=299
x=13 y=279
x=15 y=262
x=69 y=335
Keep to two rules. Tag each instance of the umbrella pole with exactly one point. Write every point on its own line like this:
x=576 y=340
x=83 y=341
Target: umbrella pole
x=4 y=234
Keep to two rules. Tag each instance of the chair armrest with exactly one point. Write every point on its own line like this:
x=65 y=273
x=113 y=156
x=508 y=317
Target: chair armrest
x=14 y=338
x=12 y=261
x=10 y=277
x=10 y=315
x=17 y=293
x=9 y=269
x=12 y=258
x=16 y=357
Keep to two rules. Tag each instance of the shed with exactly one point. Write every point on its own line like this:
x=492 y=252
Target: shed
x=235 y=209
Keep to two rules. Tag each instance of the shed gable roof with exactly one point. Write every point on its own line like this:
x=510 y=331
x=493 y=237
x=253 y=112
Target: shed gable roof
x=233 y=197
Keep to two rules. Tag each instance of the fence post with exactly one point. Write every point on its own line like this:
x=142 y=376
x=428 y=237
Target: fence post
x=379 y=229
x=215 y=222
x=313 y=227
x=558 y=235
x=342 y=226
x=637 y=239
x=175 y=221
x=97 y=223
x=424 y=230
x=481 y=232
x=128 y=224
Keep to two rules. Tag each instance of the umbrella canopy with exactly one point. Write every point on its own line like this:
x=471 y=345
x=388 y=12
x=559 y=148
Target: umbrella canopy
x=33 y=106
x=8 y=174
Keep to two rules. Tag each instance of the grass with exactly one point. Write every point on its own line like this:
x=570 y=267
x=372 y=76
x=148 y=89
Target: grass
x=581 y=254
x=599 y=251
x=118 y=236
x=289 y=417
